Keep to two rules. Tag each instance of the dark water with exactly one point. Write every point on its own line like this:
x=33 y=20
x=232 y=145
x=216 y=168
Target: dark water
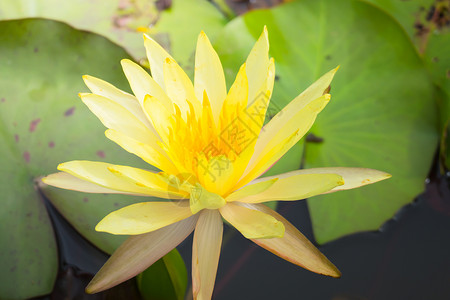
x=409 y=258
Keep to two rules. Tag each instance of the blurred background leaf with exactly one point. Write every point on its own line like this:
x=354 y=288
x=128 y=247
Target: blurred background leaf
x=44 y=123
x=382 y=114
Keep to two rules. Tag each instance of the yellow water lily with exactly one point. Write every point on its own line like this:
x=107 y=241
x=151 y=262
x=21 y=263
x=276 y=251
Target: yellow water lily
x=211 y=146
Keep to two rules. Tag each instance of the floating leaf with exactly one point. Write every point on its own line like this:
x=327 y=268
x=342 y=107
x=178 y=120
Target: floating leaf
x=382 y=114
x=117 y=20
x=44 y=123
x=170 y=268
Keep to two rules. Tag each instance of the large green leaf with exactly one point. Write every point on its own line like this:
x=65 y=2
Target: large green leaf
x=382 y=114
x=115 y=19
x=44 y=123
x=152 y=282
x=178 y=27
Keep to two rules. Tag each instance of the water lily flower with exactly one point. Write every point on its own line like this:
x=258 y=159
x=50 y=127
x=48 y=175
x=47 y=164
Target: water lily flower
x=211 y=146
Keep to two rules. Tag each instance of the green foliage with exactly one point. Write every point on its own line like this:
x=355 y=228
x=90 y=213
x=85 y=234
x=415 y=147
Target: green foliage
x=382 y=114
x=152 y=283
x=44 y=123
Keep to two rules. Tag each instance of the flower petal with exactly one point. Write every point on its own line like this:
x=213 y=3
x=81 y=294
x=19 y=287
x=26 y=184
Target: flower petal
x=295 y=247
x=285 y=138
x=69 y=182
x=287 y=120
x=295 y=187
x=143 y=84
x=253 y=224
x=115 y=116
x=255 y=188
x=98 y=173
x=209 y=75
x=353 y=177
x=179 y=87
x=257 y=65
x=144 y=217
x=156 y=56
x=152 y=155
x=107 y=90
x=139 y=252
x=205 y=253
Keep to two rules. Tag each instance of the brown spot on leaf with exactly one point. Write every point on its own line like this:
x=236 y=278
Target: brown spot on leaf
x=3 y=100
x=116 y=204
x=34 y=124
x=36 y=49
x=16 y=138
x=101 y=154
x=26 y=156
x=51 y=144
x=85 y=199
x=29 y=214
x=69 y=112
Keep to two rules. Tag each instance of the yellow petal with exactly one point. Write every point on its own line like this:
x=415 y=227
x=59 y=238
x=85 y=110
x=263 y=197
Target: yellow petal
x=257 y=65
x=144 y=217
x=295 y=247
x=209 y=75
x=107 y=90
x=251 y=223
x=179 y=87
x=160 y=117
x=116 y=117
x=205 y=253
x=282 y=140
x=353 y=177
x=247 y=191
x=138 y=253
x=287 y=120
x=288 y=188
x=70 y=182
x=143 y=84
x=156 y=56
x=98 y=173
x=153 y=155
x=238 y=93
x=200 y=198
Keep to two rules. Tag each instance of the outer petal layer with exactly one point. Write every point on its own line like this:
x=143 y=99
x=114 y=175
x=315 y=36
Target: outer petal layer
x=353 y=177
x=253 y=224
x=144 y=217
x=100 y=173
x=139 y=252
x=295 y=247
x=205 y=253
x=296 y=187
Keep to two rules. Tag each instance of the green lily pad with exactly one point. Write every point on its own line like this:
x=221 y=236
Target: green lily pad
x=117 y=20
x=178 y=27
x=152 y=282
x=382 y=114
x=44 y=123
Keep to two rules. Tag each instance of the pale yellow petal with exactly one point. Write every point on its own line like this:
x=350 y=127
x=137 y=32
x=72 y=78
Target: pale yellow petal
x=144 y=217
x=143 y=84
x=179 y=87
x=107 y=90
x=289 y=188
x=153 y=155
x=253 y=224
x=205 y=253
x=161 y=119
x=201 y=198
x=98 y=173
x=353 y=177
x=282 y=140
x=257 y=65
x=287 y=120
x=209 y=75
x=254 y=188
x=295 y=247
x=156 y=56
x=116 y=117
x=69 y=182
x=138 y=253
